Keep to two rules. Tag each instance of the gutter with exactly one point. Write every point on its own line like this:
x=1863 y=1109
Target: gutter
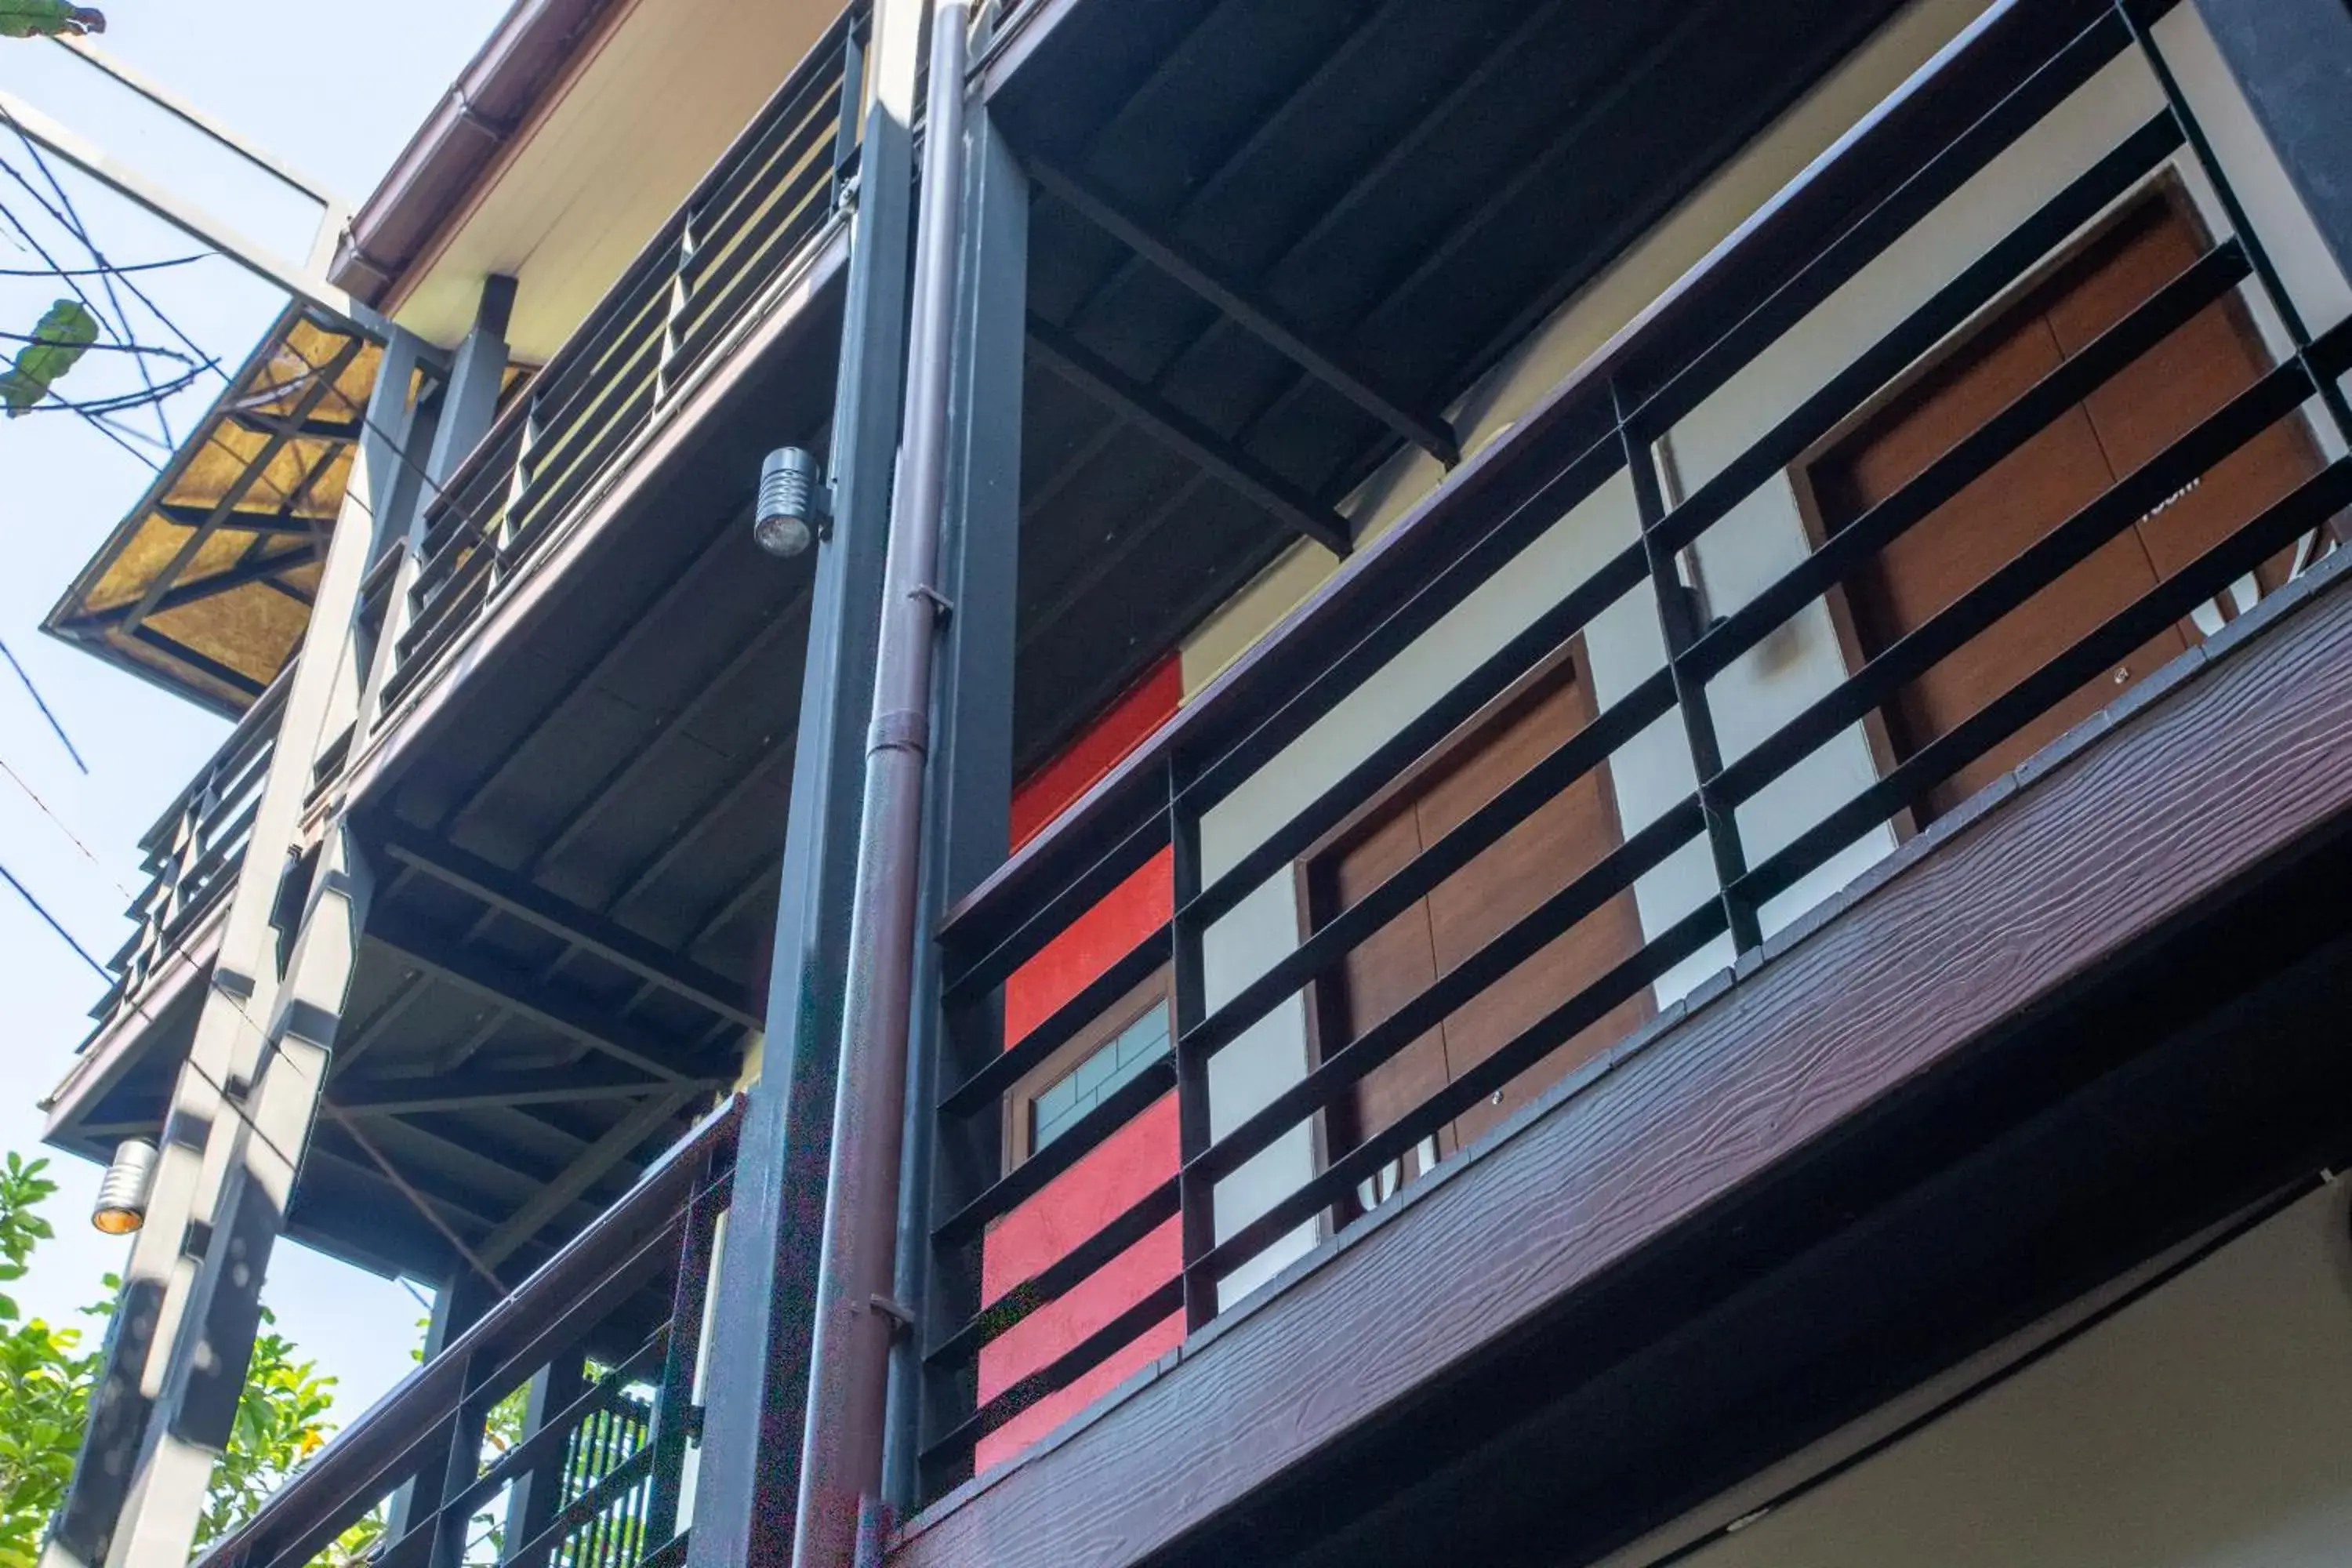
x=492 y=99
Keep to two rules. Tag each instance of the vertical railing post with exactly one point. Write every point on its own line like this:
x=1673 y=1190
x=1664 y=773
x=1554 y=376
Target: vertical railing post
x=674 y=310
x=461 y=1462
x=850 y=114
x=503 y=541
x=1196 y=1194
x=674 y=1411
x=538 y=1493
x=1678 y=619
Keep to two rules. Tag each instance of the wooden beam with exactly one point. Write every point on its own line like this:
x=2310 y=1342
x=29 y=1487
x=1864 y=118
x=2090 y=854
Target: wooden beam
x=533 y=905
x=280 y=522
x=590 y=1025
x=576 y=1085
x=1082 y=368
x=2237 y=758
x=607 y=1151
x=1293 y=342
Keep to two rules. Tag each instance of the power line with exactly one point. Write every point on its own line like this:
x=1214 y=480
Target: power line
x=67 y=937
x=115 y=269
x=34 y=693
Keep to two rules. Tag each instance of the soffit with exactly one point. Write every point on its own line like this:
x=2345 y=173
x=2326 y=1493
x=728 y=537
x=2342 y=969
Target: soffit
x=648 y=108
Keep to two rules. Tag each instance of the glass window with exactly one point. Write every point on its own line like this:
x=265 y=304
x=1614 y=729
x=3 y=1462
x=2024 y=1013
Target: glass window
x=1112 y=1066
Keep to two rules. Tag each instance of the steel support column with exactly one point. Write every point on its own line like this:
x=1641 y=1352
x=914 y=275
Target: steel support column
x=243 y=1102
x=765 y=1284
x=2293 y=60
x=968 y=800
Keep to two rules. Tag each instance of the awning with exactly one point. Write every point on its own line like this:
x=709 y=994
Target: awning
x=206 y=587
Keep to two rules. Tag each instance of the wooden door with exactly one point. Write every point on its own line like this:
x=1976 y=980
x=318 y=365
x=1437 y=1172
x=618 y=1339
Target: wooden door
x=2120 y=426
x=1544 y=854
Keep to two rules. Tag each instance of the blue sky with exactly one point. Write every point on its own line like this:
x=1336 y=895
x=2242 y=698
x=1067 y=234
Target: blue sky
x=334 y=87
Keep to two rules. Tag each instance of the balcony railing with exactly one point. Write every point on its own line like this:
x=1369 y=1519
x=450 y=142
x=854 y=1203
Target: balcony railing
x=192 y=856
x=1712 y=869
x=664 y=322
x=604 y=1339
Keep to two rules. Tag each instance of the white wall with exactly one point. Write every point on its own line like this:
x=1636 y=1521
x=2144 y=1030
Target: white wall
x=2208 y=1424
x=1752 y=547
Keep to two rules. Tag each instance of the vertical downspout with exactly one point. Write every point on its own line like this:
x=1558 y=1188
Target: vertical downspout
x=841 y=1464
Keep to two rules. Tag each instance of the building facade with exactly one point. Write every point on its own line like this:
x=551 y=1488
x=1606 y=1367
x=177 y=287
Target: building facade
x=1545 y=783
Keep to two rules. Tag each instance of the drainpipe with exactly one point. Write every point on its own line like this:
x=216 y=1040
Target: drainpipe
x=841 y=1521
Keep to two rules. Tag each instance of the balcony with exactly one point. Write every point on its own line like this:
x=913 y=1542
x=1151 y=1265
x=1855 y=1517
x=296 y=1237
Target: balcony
x=635 y=367
x=1624 y=823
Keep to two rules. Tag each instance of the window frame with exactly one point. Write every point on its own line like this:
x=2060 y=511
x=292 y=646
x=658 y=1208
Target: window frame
x=1155 y=990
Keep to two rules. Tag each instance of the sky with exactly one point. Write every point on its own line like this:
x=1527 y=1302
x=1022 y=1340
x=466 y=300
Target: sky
x=335 y=87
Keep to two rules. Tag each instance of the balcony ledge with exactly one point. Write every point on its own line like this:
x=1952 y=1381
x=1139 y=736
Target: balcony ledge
x=1916 y=967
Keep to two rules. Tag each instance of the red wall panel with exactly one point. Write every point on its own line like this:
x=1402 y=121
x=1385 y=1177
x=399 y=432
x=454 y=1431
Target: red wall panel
x=1139 y=1157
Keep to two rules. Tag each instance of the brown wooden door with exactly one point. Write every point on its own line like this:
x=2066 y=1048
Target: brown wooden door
x=2127 y=421
x=1543 y=854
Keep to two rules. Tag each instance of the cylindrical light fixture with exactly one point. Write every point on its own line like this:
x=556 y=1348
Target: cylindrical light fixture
x=121 y=1206
x=792 y=503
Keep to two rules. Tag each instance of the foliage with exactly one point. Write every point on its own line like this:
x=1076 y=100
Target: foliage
x=47 y=1376
x=47 y=19
x=63 y=334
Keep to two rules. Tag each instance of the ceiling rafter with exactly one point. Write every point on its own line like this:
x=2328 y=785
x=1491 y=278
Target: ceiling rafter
x=1295 y=343
x=1137 y=403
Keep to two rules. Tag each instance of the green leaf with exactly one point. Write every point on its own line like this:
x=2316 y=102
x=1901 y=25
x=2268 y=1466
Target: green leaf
x=60 y=339
x=47 y=18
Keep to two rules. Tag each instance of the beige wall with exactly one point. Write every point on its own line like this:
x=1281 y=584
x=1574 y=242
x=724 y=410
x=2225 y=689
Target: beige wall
x=1759 y=542
x=2208 y=1425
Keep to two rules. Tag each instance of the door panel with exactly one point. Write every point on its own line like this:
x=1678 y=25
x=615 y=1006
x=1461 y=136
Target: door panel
x=1544 y=854
x=2119 y=427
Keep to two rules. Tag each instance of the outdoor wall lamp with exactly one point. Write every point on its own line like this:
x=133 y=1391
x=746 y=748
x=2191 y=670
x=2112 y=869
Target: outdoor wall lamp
x=121 y=1206
x=795 y=506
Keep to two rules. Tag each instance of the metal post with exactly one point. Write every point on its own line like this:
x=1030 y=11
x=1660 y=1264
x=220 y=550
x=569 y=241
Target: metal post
x=536 y=1493
x=968 y=809
x=469 y=407
x=1196 y=1196
x=857 y=1318
x=1678 y=620
x=749 y=1478
x=241 y=1105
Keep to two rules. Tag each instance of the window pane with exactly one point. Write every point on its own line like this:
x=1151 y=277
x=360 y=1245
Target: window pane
x=1116 y=1064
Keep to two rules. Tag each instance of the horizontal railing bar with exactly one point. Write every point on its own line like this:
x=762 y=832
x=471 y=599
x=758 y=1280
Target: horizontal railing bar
x=1679 y=941
x=1090 y=1132
x=983 y=1088
x=607 y=1394
x=1946 y=311
x=2034 y=568
x=1493 y=678
x=2172 y=600
x=802 y=148
x=616 y=1484
x=1065 y=1370
x=1579 y=754
x=2170 y=307
x=783 y=135
x=1129 y=854
x=1058 y=1278
x=1692 y=378
x=1464 y=982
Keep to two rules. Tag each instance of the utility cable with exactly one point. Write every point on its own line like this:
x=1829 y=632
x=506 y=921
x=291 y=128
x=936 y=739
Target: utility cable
x=55 y=728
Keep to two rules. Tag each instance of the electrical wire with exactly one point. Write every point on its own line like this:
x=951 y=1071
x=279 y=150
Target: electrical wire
x=34 y=691
x=116 y=268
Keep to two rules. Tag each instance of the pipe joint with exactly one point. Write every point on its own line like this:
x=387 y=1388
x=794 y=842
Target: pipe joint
x=901 y=730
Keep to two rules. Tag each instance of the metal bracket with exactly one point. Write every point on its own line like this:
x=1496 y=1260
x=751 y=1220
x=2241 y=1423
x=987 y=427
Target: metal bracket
x=942 y=608
x=902 y=1320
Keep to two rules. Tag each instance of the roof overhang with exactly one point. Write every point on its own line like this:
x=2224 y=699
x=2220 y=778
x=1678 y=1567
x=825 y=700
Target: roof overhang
x=204 y=588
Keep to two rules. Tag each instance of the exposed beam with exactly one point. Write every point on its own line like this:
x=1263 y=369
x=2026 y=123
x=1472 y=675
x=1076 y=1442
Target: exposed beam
x=533 y=905
x=323 y=380
x=203 y=664
x=585 y=1021
x=607 y=1151
x=243 y=575
x=280 y=522
x=1134 y=401
x=1287 y=338
x=579 y=1084
x=294 y=430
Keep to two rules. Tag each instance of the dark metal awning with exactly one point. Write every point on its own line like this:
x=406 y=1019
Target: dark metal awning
x=206 y=587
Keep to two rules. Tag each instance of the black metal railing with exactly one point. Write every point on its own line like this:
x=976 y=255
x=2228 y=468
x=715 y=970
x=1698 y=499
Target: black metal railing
x=600 y=1345
x=192 y=856
x=1602 y=428
x=750 y=220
